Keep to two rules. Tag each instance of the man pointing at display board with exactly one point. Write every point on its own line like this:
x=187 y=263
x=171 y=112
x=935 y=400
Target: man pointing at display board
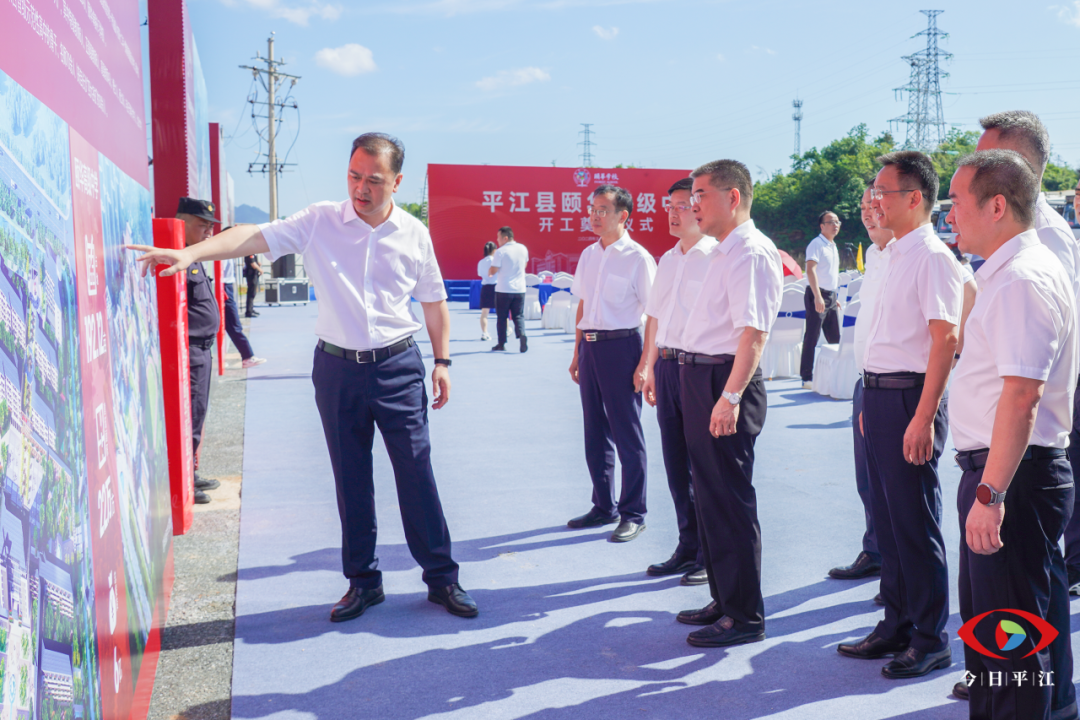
x=366 y=257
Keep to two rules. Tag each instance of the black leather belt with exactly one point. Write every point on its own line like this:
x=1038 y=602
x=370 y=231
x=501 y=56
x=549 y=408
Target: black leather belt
x=204 y=343
x=367 y=356
x=893 y=381
x=595 y=335
x=686 y=358
x=969 y=460
x=670 y=353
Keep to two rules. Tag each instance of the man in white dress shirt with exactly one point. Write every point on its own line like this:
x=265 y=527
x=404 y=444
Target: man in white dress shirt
x=613 y=279
x=723 y=401
x=508 y=265
x=909 y=353
x=366 y=257
x=679 y=279
x=823 y=281
x=868 y=562
x=1011 y=416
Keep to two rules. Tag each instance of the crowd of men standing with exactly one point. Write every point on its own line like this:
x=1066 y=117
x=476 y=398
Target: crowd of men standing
x=708 y=308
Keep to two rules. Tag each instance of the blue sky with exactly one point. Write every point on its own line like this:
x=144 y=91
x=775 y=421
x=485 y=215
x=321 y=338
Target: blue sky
x=664 y=84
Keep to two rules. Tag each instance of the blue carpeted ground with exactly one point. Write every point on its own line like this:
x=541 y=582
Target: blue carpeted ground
x=570 y=625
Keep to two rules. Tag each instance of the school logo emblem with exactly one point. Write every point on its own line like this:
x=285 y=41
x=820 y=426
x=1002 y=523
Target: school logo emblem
x=582 y=177
x=1009 y=635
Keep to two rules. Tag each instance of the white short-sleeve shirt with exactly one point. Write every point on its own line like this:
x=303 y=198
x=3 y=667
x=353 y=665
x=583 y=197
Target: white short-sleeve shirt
x=679 y=278
x=876 y=261
x=482 y=268
x=511 y=259
x=742 y=288
x=363 y=276
x=614 y=283
x=922 y=282
x=1023 y=324
x=824 y=252
x=1054 y=232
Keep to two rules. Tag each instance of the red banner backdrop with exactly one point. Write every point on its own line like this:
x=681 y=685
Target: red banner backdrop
x=110 y=594
x=545 y=206
x=84 y=61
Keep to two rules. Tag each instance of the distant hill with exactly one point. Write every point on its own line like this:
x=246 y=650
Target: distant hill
x=251 y=214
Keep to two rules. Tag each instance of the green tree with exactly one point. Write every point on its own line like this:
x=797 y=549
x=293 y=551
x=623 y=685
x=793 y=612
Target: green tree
x=1058 y=177
x=958 y=143
x=416 y=210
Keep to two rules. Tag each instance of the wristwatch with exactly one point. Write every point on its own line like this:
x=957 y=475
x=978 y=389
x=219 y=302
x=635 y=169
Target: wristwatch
x=442 y=361
x=733 y=398
x=988 y=495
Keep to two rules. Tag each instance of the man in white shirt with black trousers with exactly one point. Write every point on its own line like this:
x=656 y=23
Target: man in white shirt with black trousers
x=724 y=401
x=820 y=301
x=366 y=257
x=909 y=354
x=1011 y=416
x=680 y=276
x=613 y=278
x=509 y=263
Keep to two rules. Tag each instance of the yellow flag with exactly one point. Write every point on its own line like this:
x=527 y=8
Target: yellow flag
x=859 y=260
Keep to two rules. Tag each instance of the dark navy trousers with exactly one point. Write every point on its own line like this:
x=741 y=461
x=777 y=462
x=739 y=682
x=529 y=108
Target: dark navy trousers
x=353 y=399
x=1027 y=573
x=200 y=367
x=612 y=414
x=906 y=503
x=724 y=496
x=862 y=474
x=816 y=323
x=1072 y=531
x=232 y=323
x=669 y=414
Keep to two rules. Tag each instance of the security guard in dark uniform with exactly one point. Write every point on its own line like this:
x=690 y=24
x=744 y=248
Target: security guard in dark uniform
x=204 y=319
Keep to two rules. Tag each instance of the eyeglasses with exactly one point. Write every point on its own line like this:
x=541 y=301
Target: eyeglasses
x=679 y=208
x=696 y=195
x=598 y=212
x=877 y=194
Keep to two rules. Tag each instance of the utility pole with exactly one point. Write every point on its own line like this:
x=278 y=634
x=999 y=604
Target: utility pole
x=797 y=117
x=270 y=78
x=587 y=145
x=925 y=118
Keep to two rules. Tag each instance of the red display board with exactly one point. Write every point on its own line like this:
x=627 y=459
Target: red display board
x=218 y=190
x=84 y=61
x=173 y=324
x=545 y=206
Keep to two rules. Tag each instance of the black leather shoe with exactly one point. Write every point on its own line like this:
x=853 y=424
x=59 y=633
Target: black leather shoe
x=455 y=600
x=723 y=633
x=499 y=348
x=355 y=602
x=864 y=566
x=914 y=663
x=202 y=483
x=200 y=497
x=627 y=531
x=878 y=600
x=960 y=691
x=524 y=344
x=705 y=616
x=872 y=647
x=699 y=576
x=591 y=519
x=674 y=565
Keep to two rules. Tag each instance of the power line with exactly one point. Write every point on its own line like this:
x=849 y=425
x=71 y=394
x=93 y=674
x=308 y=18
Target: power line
x=925 y=118
x=587 y=145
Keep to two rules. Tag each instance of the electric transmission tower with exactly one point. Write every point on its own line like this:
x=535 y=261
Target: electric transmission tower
x=586 y=145
x=271 y=79
x=925 y=118
x=797 y=117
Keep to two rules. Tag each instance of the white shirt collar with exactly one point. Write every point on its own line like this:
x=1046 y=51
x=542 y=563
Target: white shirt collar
x=348 y=214
x=704 y=245
x=1005 y=253
x=737 y=237
x=916 y=237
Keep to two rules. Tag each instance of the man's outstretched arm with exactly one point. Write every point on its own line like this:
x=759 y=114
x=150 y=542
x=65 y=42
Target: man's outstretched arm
x=237 y=242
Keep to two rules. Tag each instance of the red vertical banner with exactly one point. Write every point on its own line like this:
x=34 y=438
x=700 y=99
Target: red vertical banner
x=218 y=195
x=110 y=592
x=176 y=377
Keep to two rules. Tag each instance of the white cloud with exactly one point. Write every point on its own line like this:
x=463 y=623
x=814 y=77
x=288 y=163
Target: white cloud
x=611 y=32
x=299 y=14
x=720 y=57
x=762 y=49
x=461 y=7
x=512 y=78
x=1070 y=15
x=347 y=60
